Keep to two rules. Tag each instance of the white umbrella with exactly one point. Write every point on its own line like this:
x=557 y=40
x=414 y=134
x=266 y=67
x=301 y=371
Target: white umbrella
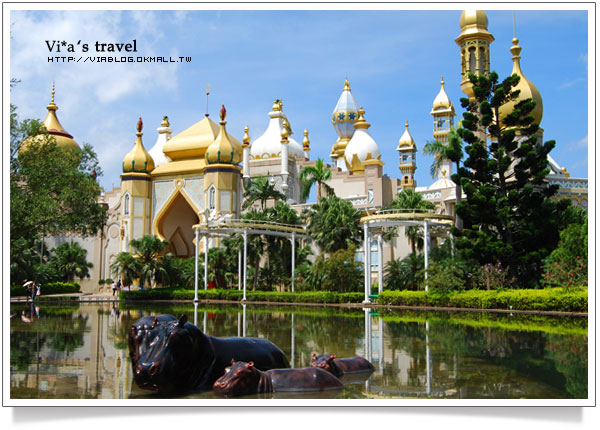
x=27 y=283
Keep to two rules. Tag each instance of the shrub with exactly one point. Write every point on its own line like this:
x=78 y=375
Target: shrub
x=49 y=288
x=339 y=272
x=493 y=277
x=405 y=274
x=445 y=277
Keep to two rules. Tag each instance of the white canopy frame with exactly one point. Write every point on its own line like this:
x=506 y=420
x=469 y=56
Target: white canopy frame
x=393 y=218
x=243 y=227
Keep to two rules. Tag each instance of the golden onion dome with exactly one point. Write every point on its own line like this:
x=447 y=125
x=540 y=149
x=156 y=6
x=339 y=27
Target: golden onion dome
x=526 y=88
x=225 y=149
x=442 y=101
x=54 y=129
x=473 y=19
x=406 y=141
x=138 y=159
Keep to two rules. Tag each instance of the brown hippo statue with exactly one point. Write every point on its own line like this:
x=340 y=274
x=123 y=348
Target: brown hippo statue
x=341 y=366
x=170 y=355
x=243 y=378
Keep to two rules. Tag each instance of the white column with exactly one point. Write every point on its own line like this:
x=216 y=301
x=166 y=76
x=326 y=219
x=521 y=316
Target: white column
x=246 y=162
x=204 y=322
x=245 y=269
x=196 y=268
x=380 y=342
x=366 y=250
x=244 y=320
x=293 y=259
x=426 y=240
x=380 y=261
x=196 y=314
x=284 y=157
x=239 y=269
x=206 y=262
x=428 y=358
x=292 y=363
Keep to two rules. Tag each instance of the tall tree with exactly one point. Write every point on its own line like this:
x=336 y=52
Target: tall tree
x=126 y=267
x=453 y=151
x=70 y=261
x=508 y=214
x=411 y=200
x=260 y=189
x=317 y=174
x=149 y=250
x=334 y=224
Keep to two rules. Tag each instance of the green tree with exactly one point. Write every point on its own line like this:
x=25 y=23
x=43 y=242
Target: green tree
x=453 y=151
x=508 y=214
x=334 y=224
x=126 y=267
x=317 y=174
x=149 y=250
x=408 y=200
x=260 y=189
x=338 y=272
x=405 y=274
x=69 y=261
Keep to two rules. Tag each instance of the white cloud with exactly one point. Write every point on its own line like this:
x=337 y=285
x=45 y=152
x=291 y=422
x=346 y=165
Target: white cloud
x=582 y=143
x=571 y=83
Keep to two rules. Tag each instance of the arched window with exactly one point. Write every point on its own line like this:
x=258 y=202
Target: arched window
x=126 y=204
x=472 y=60
x=212 y=193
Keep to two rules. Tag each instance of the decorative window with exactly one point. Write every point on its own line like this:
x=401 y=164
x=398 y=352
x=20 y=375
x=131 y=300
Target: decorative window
x=371 y=196
x=374 y=256
x=126 y=204
x=212 y=197
x=472 y=60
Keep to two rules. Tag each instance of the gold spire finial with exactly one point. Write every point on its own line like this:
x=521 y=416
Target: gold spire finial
x=277 y=105
x=442 y=82
x=284 y=134
x=306 y=141
x=165 y=122
x=346 y=85
x=246 y=138
x=52 y=101
x=515 y=49
x=222 y=113
x=207 y=93
x=52 y=105
x=139 y=126
x=406 y=125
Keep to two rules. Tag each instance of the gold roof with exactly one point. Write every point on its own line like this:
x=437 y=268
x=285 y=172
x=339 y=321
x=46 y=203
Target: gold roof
x=225 y=149
x=138 y=159
x=54 y=128
x=526 y=88
x=193 y=141
x=442 y=101
x=473 y=23
x=361 y=122
x=406 y=141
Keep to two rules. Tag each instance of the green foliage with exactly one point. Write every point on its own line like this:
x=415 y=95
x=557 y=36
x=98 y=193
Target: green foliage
x=260 y=189
x=405 y=274
x=445 y=277
x=493 y=277
x=317 y=174
x=508 y=214
x=339 y=272
x=50 y=288
x=149 y=250
x=334 y=224
x=126 y=267
x=70 y=261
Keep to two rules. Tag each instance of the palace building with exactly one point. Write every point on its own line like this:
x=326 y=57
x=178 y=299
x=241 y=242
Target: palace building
x=198 y=174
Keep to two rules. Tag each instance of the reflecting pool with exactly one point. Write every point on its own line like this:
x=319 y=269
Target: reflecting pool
x=80 y=350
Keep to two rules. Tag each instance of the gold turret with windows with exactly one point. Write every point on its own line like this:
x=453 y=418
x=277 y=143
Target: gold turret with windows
x=407 y=149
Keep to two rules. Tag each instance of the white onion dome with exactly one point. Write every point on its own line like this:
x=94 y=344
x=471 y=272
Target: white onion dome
x=164 y=135
x=362 y=146
x=225 y=149
x=442 y=102
x=269 y=144
x=138 y=159
x=526 y=88
x=345 y=113
x=406 y=141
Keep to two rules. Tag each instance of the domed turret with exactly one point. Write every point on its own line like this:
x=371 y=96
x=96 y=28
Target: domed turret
x=164 y=135
x=362 y=146
x=225 y=149
x=344 y=115
x=442 y=101
x=526 y=88
x=269 y=144
x=54 y=129
x=473 y=21
x=193 y=141
x=407 y=150
x=138 y=159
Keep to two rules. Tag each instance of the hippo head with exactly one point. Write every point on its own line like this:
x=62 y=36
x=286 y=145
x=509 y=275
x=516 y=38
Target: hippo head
x=239 y=379
x=326 y=362
x=163 y=353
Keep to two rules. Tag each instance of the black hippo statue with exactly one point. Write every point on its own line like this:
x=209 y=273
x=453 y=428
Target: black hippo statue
x=242 y=379
x=341 y=366
x=172 y=355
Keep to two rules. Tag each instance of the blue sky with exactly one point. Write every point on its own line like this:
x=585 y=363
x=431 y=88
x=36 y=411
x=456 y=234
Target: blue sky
x=393 y=59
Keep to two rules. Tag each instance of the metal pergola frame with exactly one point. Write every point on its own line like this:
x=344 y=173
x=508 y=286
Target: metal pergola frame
x=395 y=218
x=243 y=227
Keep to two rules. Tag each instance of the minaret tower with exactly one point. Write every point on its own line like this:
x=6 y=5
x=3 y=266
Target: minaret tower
x=136 y=191
x=443 y=121
x=408 y=159
x=344 y=115
x=474 y=41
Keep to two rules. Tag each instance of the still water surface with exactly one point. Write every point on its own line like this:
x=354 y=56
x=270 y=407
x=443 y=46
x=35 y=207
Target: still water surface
x=80 y=350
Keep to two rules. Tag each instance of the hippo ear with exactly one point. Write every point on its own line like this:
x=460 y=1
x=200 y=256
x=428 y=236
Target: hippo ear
x=250 y=364
x=154 y=321
x=313 y=356
x=333 y=356
x=182 y=320
x=232 y=361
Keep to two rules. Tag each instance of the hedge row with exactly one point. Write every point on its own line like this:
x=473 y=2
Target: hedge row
x=554 y=299
x=49 y=288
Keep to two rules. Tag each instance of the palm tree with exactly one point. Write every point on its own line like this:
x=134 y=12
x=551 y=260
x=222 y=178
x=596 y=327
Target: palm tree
x=148 y=249
x=315 y=174
x=410 y=199
x=260 y=189
x=126 y=267
x=69 y=260
x=451 y=151
x=334 y=224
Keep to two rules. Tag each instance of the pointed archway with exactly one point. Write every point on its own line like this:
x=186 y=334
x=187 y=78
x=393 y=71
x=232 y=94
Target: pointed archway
x=174 y=223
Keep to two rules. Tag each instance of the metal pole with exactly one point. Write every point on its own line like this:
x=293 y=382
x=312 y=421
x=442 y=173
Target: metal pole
x=244 y=320
x=245 y=266
x=293 y=259
x=366 y=250
x=196 y=269
x=206 y=262
x=380 y=261
x=196 y=314
x=204 y=322
x=426 y=228
x=239 y=269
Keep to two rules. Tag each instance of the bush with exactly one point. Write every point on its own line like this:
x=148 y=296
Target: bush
x=339 y=272
x=49 y=288
x=493 y=277
x=445 y=277
x=405 y=274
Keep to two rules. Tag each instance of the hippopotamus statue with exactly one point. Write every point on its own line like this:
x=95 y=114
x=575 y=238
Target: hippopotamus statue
x=341 y=366
x=242 y=378
x=173 y=355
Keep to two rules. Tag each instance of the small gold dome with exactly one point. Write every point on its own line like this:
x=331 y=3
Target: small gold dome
x=138 y=159
x=225 y=149
x=442 y=101
x=54 y=129
x=406 y=141
x=473 y=18
x=526 y=88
